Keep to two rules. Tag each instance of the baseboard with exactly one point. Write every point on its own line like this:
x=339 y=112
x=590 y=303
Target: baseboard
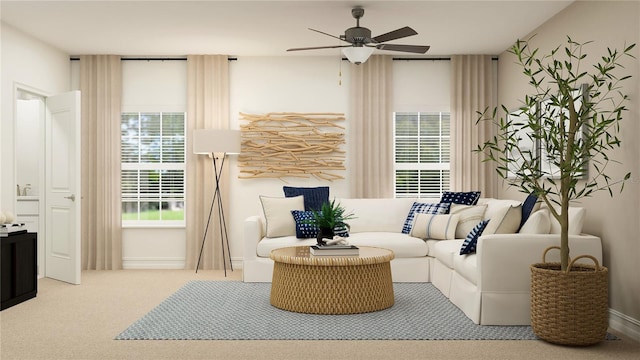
x=624 y=324
x=138 y=263
x=152 y=263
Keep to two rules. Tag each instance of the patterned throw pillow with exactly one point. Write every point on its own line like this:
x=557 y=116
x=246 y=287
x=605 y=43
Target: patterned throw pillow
x=314 y=197
x=341 y=231
x=304 y=230
x=464 y=198
x=470 y=242
x=423 y=208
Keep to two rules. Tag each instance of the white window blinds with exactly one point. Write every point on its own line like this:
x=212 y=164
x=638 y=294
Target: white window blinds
x=422 y=149
x=153 y=166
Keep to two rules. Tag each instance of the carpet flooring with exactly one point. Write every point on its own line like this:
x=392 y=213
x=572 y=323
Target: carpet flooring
x=212 y=310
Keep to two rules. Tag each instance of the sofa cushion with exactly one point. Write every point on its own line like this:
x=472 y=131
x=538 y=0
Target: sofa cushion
x=537 y=223
x=467 y=267
x=385 y=215
x=464 y=198
x=277 y=214
x=314 y=197
x=470 y=216
x=471 y=240
x=438 y=227
x=505 y=220
x=423 y=208
x=445 y=250
x=402 y=245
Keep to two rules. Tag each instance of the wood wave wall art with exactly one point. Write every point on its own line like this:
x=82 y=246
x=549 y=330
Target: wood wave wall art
x=298 y=145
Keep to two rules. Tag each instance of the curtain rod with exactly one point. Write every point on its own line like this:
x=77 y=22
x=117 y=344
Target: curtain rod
x=151 y=59
x=234 y=59
x=433 y=59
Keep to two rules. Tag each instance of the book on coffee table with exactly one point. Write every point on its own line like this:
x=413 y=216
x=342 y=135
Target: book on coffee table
x=335 y=250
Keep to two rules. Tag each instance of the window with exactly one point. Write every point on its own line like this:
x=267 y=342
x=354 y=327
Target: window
x=421 y=147
x=153 y=167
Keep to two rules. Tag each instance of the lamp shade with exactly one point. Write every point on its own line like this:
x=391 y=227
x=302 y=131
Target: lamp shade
x=207 y=141
x=357 y=54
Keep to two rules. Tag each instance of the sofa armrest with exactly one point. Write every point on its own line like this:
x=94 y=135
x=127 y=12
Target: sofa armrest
x=252 y=235
x=504 y=259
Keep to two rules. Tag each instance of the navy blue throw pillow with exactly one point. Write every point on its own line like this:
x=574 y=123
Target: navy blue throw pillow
x=463 y=198
x=304 y=229
x=314 y=197
x=308 y=230
x=527 y=208
x=470 y=242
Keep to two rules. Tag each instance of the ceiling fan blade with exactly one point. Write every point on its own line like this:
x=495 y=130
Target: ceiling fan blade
x=319 y=47
x=418 y=49
x=395 y=34
x=324 y=33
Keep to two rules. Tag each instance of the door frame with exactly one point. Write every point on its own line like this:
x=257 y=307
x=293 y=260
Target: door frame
x=42 y=173
x=42 y=158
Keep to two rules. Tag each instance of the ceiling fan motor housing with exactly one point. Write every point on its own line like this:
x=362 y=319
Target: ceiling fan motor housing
x=358 y=36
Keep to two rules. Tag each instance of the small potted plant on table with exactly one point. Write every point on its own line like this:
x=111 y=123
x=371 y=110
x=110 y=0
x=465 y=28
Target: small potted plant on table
x=330 y=218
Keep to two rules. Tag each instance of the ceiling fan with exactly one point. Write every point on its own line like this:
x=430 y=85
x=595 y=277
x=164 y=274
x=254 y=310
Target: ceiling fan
x=361 y=44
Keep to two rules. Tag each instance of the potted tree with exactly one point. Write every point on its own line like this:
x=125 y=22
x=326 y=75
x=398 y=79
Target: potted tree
x=573 y=114
x=328 y=219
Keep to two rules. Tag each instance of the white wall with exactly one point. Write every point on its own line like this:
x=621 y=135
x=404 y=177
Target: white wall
x=36 y=65
x=261 y=85
x=615 y=220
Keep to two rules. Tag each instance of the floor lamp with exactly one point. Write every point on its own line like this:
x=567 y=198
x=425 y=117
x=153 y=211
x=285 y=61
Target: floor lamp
x=217 y=143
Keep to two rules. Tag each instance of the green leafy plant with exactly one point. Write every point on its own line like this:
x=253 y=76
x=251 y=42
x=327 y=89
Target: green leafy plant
x=574 y=115
x=331 y=216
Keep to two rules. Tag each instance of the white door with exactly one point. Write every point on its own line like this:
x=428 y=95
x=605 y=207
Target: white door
x=62 y=199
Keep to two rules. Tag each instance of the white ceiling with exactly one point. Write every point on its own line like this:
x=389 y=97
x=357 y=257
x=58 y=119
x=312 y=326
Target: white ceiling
x=268 y=28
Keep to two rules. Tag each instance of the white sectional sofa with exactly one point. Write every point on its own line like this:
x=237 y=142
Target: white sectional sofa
x=491 y=286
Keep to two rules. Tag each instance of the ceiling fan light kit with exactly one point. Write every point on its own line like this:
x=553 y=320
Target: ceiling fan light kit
x=361 y=44
x=357 y=55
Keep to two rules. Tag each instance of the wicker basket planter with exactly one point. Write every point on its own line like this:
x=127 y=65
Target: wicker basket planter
x=569 y=307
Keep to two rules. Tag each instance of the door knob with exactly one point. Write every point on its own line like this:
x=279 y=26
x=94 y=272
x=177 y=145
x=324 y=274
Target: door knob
x=71 y=197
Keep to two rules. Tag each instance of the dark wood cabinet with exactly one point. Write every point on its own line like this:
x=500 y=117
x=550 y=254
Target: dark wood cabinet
x=19 y=276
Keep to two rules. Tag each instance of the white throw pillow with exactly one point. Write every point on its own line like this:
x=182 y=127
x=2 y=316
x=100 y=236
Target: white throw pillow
x=537 y=223
x=576 y=220
x=435 y=227
x=277 y=214
x=505 y=220
x=470 y=216
x=496 y=205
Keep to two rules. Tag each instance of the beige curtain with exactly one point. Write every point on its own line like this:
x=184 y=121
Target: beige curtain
x=101 y=221
x=207 y=108
x=472 y=90
x=371 y=128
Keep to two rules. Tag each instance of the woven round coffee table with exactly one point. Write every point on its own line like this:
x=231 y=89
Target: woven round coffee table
x=331 y=284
